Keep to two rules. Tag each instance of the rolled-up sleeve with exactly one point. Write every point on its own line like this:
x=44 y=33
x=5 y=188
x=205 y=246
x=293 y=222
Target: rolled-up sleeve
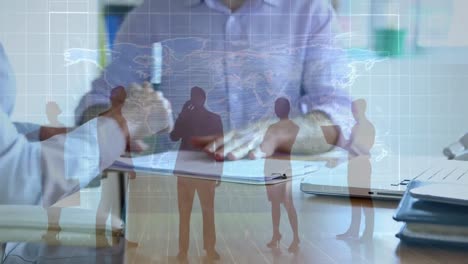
x=70 y=162
x=325 y=80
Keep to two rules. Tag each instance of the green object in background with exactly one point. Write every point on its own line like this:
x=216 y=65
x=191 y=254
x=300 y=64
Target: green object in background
x=102 y=42
x=390 y=42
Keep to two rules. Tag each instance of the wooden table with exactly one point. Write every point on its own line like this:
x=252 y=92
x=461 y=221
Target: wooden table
x=243 y=220
x=243 y=227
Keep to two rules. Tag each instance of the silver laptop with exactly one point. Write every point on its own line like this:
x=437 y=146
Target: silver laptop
x=388 y=179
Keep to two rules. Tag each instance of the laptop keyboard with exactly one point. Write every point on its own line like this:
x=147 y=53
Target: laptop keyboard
x=458 y=174
x=453 y=172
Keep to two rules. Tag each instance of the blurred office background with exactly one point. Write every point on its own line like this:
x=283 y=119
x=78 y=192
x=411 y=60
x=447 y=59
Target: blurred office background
x=411 y=61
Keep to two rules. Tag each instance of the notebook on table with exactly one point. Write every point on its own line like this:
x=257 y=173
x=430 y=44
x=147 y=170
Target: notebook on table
x=199 y=165
x=431 y=222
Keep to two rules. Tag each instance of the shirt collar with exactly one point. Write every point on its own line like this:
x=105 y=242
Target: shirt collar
x=197 y=2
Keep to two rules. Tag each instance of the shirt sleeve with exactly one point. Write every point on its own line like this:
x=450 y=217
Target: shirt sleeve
x=43 y=172
x=326 y=71
x=7 y=84
x=30 y=131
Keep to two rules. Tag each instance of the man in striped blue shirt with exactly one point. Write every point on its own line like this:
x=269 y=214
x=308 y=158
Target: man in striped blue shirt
x=245 y=55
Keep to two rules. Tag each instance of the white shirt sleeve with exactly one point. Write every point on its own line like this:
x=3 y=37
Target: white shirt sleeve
x=43 y=172
x=30 y=131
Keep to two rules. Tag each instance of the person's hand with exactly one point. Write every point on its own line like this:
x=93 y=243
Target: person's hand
x=147 y=112
x=335 y=162
x=118 y=98
x=48 y=132
x=141 y=113
x=253 y=142
x=186 y=109
x=187 y=106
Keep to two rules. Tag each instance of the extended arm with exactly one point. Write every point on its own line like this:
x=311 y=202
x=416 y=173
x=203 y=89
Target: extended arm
x=42 y=173
x=324 y=101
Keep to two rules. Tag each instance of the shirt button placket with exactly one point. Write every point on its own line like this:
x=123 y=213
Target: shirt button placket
x=230 y=31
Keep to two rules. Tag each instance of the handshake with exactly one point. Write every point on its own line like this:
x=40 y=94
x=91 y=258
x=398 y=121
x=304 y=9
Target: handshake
x=140 y=112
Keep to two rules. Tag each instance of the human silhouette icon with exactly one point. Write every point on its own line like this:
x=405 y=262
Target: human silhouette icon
x=53 y=112
x=194 y=121
x=359 y=145
x=281 y=193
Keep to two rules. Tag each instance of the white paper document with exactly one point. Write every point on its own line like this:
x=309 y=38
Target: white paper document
x=199 y=165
